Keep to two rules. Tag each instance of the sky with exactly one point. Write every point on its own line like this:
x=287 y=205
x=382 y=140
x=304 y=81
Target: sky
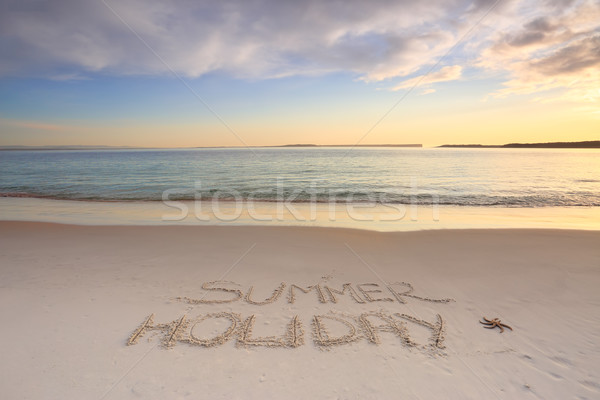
x=156 y=73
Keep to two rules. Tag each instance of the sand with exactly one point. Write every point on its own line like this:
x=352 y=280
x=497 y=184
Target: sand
x=119 y=312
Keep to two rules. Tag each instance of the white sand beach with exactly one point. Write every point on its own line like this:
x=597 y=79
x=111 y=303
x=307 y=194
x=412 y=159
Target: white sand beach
x=300 y=200
x=230 y=319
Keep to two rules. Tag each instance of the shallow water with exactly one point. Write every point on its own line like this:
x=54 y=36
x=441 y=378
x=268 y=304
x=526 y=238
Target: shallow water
x=357 y=216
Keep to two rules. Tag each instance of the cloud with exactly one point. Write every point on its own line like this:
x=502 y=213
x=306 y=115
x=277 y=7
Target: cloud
x=445 y=74
x=573 y=58
x=74 y=76
x=554 y=55
x=534 y=46
x=37 y=125
x=250 y=39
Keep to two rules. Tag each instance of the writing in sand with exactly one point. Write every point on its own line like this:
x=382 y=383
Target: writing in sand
x=348 y=328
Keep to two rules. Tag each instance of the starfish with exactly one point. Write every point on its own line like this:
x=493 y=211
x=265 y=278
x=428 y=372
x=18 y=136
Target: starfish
x=491 y=324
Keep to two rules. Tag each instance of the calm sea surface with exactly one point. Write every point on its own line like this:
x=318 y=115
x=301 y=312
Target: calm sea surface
x=460 y=177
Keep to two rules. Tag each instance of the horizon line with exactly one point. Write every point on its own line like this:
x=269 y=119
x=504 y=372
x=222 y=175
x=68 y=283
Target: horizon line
x=570 y=144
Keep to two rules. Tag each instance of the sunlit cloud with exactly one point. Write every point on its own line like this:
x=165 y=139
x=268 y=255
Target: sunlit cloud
x=558 y=53
x=449 y=73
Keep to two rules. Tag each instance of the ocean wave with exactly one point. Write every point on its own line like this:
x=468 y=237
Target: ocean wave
x=357 y=198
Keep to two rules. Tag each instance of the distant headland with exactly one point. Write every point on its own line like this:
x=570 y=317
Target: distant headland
x=93 y=147
x=590 y=144
x=350 y=145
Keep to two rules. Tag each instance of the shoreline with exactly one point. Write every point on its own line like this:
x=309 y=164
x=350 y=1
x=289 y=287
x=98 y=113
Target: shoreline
x=271 y=312
x=44 y=225
x=384 y=218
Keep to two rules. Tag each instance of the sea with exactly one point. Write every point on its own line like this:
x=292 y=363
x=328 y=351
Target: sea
x=478 y=179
